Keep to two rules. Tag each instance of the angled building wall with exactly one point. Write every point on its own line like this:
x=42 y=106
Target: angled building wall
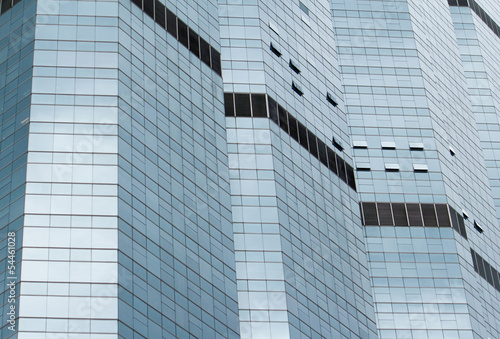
x=420 y=163
x=300 y=259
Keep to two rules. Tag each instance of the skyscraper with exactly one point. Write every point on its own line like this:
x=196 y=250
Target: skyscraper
x=420 y=91
x=253 y=169
x=118 y=160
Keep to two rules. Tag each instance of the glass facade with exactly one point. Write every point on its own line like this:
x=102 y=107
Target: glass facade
x=17 y=26
x=249 y=169
x=422 y=119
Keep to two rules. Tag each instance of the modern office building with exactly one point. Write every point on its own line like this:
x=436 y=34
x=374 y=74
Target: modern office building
x=115 y=171
x=421 y=90
x=254 y=169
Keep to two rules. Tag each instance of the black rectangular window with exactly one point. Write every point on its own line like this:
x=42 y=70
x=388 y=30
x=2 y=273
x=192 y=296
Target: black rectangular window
x=205 y=52
x=259 y=108
x=273 y=110
x=182 y=30
x=331 y=100
x=137 y=2
x=149 y=8
x=337 y=144
x=303 y=135
x=461 y=226
x=442 y=215
x=480 y=265
x=452 y=2
x=171 y=23
x=341 y=168
x=215 y=56
x=463 y=3
x=274 y=48
x=414 y=216
x=242 y=104
x=370 y=217
x=454 y=220
x=296 y=87
x=313 y=146
x=350 y=176
x=229 y=104
x=283 y=118
x=385 y=214
x=194 y=45
x=487 y=269
x=292 y=126
x=474 y=260
x=160 y=13
x=429 y=215
x=322 y=153
x=399 y=213
x=496 y=279
x=477 y=227
x=332 y=160
x=294 y=66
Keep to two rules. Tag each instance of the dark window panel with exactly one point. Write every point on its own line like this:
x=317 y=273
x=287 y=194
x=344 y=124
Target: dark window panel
x=294 y=66
x=149 y=8
x=322 y=153
x=273 y=110
x=259 y=107
x=160 y=14
x=351 y=181
x=229 y=104
x=477 y=227
x=370 y=217
x=171 y=23
x=442 y=215
x=414 y=216
x=283 y=119
x=138 y=3
x=242 y=104
x=292 y=126
x=454 y=220
x=429 y=215
x=497 y=30
x=304 y=7
x=332 y=160
x=474 y=260
x=452 y=2
x=480 y=265
x=205 y=51
x=215 y=56
x=385 y=214
x=15 y=2
x=474 y=6
x=274 y=48
x=479 y=12
x=194 y=45
x=182 y=30
x=337 y=144
x=399 y=213
x=461 y=226
x=303 y=135
x=313 y=146
x=331 y=100
x=487 y=269
x=496 y=279
x=341 y=168
x=297 y=88
x=463 y=3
